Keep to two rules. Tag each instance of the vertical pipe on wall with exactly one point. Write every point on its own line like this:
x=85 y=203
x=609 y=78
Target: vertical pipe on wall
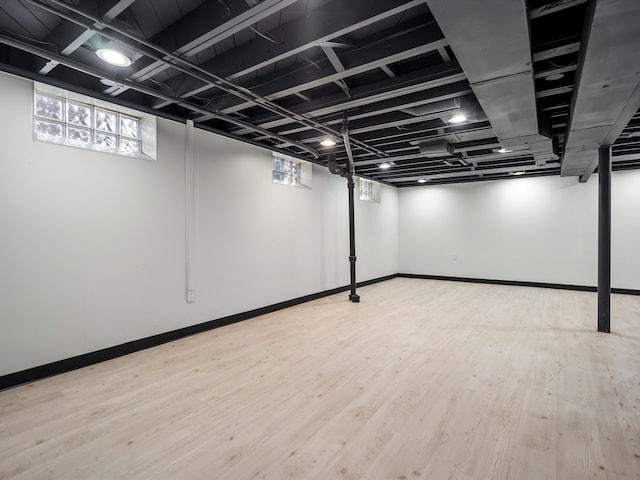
x=352 y=222
x=352 y=239
x=189 y=204
x=604 y=239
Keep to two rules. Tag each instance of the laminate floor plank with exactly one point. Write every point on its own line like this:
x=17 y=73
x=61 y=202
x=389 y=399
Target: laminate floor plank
x=422 y=379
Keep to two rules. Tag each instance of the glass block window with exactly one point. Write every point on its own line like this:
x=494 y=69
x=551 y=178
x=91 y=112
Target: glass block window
x=369 y=191
x=72 y=122
x=366 y=189
x=288 y=170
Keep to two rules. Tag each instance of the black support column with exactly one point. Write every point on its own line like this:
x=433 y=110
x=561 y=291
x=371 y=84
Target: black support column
x=604 y=239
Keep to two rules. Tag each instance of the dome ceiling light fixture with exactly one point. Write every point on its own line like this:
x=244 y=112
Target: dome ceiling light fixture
x=459 y=118
x=328 y=142
x=113 y=57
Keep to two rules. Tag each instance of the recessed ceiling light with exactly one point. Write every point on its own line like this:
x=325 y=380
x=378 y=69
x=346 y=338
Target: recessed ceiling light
x=327 y=142
x=516 y=173
x=554 y=76
x=422 y=180
x=113 y=57
x=457 y=119
x=384 y=166
x=504 y=150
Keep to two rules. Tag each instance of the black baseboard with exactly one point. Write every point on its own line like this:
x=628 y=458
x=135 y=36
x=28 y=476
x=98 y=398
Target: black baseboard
x=87 y=359
x=517 y=283
x=625 y=291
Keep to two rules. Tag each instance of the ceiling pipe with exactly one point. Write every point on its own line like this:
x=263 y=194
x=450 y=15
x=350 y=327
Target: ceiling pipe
x=67 y=62
x=218 y=82
x=498 y=64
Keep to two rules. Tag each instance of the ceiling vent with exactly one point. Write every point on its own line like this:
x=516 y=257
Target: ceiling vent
x=440 y=148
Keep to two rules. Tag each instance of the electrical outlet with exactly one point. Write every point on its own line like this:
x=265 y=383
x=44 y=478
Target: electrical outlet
x=191 y=296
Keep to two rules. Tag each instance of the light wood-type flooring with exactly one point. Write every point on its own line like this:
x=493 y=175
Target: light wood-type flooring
x=421 y=380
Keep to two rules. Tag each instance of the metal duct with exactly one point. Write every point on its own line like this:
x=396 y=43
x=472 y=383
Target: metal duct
x=436 y=149
x=445 y=109
x=607 y=92
x=491 y=43
x=434 y=108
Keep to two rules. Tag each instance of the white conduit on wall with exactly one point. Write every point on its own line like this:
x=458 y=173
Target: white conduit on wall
x=189 y=205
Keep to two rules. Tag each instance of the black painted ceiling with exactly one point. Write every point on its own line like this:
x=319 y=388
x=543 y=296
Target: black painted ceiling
x=286 y=73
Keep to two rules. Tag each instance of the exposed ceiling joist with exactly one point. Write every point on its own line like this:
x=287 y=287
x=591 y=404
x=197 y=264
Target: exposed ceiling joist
x=289 y=85
x=288 y=79
x=444 y=54
x=461 y=150
x=295 y=39
x=372 y=111
x=626 y=158
x=388 y=71
x=550 y=53
x=74 y=37
x=555 y=71
x=240 y=19
x=388 y=140
x=338 y=67
x=333 y=59
x=255 y=14
x=554 y=7
x=385 y=92
x=554 y=91
x=487 y=171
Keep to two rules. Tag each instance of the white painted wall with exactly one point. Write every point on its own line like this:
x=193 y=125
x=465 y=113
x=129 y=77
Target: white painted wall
x=541 y=229
x=92 y=248
x=376 y=232
x=259 y=243
x=625 y=229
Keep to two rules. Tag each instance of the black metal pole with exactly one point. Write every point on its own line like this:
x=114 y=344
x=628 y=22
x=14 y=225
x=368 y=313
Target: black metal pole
x=604 y=239
x=348 y=173
x=352 y=238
